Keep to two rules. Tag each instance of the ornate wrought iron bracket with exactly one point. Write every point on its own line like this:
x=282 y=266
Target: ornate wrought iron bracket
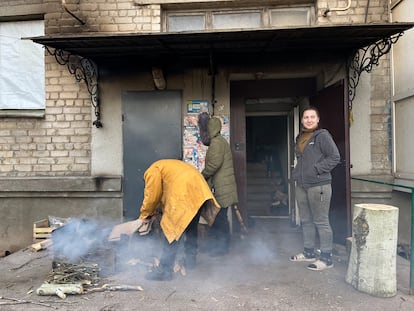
x=83 y=69
x=364 y=59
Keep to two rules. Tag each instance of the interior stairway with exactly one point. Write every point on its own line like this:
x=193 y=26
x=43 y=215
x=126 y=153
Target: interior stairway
x=260 y=188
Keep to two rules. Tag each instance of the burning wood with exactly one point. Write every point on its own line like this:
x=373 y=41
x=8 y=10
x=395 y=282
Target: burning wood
x=83 y=273
x=68 y=278
x=81 y=254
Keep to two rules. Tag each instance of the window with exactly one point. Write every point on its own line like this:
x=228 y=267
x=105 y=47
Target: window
x=186 y=22
x=236 y=20
x=22 y=74
x=249 y=18
x=290 y=17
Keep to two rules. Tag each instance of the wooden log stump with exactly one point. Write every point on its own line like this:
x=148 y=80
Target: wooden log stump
x=59 y=289
x=372 y=261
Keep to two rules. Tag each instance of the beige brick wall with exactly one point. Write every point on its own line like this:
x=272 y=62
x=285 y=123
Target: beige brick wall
x=359 y=12
x=59 y=144
x=381 y=117
x=108 y=16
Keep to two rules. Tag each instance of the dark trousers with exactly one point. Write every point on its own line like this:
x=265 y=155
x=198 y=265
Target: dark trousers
x=169 y=251
x=219 y=233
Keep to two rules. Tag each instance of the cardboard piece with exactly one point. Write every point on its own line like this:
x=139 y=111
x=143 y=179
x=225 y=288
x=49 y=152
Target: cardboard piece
x=129 y=228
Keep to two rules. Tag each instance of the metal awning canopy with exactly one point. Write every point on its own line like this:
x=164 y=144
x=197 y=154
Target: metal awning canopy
x=81 y=52
x=334 y=39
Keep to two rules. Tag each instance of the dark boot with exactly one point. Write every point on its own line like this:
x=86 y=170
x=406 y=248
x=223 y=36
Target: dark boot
x=159 y=274
x=190 y=262
x=219 y=239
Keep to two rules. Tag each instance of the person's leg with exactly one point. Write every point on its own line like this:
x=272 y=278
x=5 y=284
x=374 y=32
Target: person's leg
x=320 y=200
x=169 y=252
x=306 y=219
x=191 y=242
x=308 y=228
x=219 y=236
x=165 y=270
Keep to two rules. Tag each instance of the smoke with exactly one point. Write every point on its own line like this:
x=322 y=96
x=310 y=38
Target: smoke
x=77 y=238
x=81 y=240
x=86 y=240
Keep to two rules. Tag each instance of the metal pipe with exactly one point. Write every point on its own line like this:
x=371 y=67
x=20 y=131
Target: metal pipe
x=412 y=224
x=70 y=13
x=366 y=12
x=213 y=83
x=328 y=10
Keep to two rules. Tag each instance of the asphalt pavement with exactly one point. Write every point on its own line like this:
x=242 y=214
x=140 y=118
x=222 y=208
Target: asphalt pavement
x=255 y=275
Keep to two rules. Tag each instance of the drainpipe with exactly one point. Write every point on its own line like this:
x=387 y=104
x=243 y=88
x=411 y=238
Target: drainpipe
x=70 y=13
x=328 y=10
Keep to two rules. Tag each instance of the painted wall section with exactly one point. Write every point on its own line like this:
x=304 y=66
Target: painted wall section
x=360 y=150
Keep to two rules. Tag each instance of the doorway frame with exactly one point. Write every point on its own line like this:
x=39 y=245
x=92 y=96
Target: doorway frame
x=240 y=91
x=286 y=114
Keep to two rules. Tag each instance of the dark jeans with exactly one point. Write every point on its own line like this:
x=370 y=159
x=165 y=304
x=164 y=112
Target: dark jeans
x=169 y=251
x=219 y=233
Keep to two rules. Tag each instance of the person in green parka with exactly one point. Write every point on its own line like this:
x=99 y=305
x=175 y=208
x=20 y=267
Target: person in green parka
x=219 y=173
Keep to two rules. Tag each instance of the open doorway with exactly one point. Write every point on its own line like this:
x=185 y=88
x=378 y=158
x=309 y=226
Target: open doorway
x=267 y=165
x=260 y=98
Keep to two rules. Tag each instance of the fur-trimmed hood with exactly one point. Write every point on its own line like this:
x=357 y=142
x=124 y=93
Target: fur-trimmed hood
x=203 y=119
x=214 y=127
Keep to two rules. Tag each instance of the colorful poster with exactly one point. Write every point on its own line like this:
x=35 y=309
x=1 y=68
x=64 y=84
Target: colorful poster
x=194 y=152
x=196 y=106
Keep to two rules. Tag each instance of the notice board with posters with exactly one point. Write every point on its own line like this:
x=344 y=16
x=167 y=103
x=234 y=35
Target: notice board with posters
x=194 y=152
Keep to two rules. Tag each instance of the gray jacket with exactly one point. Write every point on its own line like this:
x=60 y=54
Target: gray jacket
x=318 y=159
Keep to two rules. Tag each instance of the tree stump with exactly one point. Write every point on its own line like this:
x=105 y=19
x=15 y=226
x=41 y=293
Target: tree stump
x=372 y=261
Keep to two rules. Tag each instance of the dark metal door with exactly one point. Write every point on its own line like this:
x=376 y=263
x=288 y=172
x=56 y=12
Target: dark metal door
x=334 y=117
x=238 y=148
x=152 y=130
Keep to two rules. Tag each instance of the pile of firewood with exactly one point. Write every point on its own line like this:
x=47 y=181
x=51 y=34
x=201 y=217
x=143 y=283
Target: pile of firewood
x=85 y=273
x=81 y=278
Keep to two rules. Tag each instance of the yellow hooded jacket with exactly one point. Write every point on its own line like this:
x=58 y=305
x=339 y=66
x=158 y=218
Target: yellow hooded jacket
x=180 y=189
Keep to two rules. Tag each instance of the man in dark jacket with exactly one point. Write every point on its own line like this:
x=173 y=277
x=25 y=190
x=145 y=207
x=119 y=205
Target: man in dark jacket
x=219 y=173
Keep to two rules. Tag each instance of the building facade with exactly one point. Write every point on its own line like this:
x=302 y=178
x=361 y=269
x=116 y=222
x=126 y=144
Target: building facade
x=125 y=80
x=402 y=108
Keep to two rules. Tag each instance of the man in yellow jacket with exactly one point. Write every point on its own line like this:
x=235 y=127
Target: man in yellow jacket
x=183 y=195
